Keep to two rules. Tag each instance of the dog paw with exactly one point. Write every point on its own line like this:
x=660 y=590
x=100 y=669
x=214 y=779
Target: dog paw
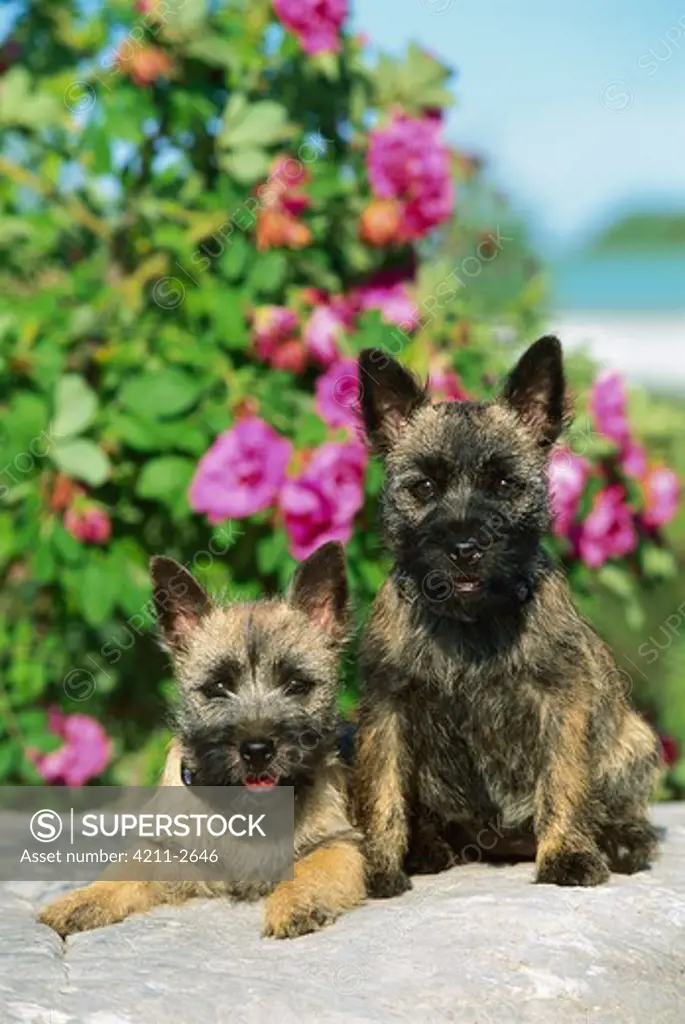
x=382 y=885
x=431 y=861
x=630 y=846
x=287 y=916
x=572 y=867
x=78 y=911
x=95 y=906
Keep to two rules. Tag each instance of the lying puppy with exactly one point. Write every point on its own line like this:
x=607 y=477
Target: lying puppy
x=486 y=697
x=258 y=707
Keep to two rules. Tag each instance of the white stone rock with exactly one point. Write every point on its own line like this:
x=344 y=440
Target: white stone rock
x=479 y=944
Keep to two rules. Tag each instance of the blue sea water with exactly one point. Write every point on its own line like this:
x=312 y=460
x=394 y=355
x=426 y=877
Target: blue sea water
x=638 y=281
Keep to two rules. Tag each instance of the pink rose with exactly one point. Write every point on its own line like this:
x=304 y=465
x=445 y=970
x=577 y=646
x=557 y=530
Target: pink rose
x=446 y=386
x=609 y=530
x=407 y=161
x=567 y=474
x=283 y=188
x=242 y=472
x=337 y=395
x=316 y=23
x=85 y=753
x=392 y=301
x=608 y=407
x=272 y=330
x=662 y=496
x=88 y=523
x=634 y=460
x=322 y=334
x=321 y=503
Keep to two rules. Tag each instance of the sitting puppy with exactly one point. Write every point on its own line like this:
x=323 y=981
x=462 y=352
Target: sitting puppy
x=258 y=705
x=488 y=703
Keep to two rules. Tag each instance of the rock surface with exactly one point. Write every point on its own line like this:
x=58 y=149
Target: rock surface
x=476 y=945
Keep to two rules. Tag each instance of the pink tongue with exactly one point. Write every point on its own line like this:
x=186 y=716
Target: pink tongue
x=260 y=783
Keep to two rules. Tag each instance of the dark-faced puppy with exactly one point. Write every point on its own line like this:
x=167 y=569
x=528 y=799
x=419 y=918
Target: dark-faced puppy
x=257 y=707
x=488 y=703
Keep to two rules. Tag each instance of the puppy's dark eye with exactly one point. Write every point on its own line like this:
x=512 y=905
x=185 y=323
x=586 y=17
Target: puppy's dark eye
x=508 y=485
x=498 y=481
x=216 y=689
x=298 y=687
x=424 y=490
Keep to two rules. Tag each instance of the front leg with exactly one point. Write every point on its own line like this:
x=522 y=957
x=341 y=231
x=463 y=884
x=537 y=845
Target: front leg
x=380 y=791
x=105 y=902
x=429 y=849
x=326 y=883
x=565 y=816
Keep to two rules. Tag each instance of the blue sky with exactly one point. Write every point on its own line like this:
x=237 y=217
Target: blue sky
x=535 y=80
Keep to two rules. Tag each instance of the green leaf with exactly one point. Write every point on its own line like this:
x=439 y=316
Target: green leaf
x=311 y=431
x=157 y=435
x=8 y=542
x=271 y=552
x=76 y=406
x=246 y=166
x=256 y=125
x=166 y=392
x=26 y=677
x=23 y=429
x=618 y=580
x=10 y=758
x=42 y=563
x=166 y=479
x=269 y=273
x=65 y=546
x=213 y=50
x=82 y=459
x=99 y=589
x=235 y=258
x=658 y=563
x=21 y=105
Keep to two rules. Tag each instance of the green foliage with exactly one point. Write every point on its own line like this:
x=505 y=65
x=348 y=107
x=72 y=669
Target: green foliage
x=129 y=272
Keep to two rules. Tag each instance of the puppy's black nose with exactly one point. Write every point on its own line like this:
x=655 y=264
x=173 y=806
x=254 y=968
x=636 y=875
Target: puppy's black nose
x=257 y=753
x=467 y=551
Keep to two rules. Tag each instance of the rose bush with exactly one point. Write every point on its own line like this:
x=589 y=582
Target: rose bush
x=208 y=210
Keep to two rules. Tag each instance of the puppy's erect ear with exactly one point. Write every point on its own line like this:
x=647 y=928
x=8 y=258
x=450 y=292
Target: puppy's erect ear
x=388 y=395
x=319 y=589
x=180 y=601
x=535 y=389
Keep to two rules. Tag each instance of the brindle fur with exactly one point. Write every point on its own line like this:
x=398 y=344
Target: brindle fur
x=257 y=649
x=497 y=710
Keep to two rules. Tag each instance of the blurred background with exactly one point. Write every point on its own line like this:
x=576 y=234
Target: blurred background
x=576 y=110
x=208 y=209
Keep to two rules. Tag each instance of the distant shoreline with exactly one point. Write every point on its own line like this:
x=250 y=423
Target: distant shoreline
x=647 y=347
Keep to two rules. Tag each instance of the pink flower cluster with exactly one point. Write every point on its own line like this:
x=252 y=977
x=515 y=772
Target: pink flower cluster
x=445 y=385
x=316 y=23
x=84 y=754
x=320 y=504
x=275 y=329
x=88 y=522
x=611 y=528
x=568 y=474
x=608 y=407
x=408 y=162
x=242 y=472
x=660 y=485
x=245 y=471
